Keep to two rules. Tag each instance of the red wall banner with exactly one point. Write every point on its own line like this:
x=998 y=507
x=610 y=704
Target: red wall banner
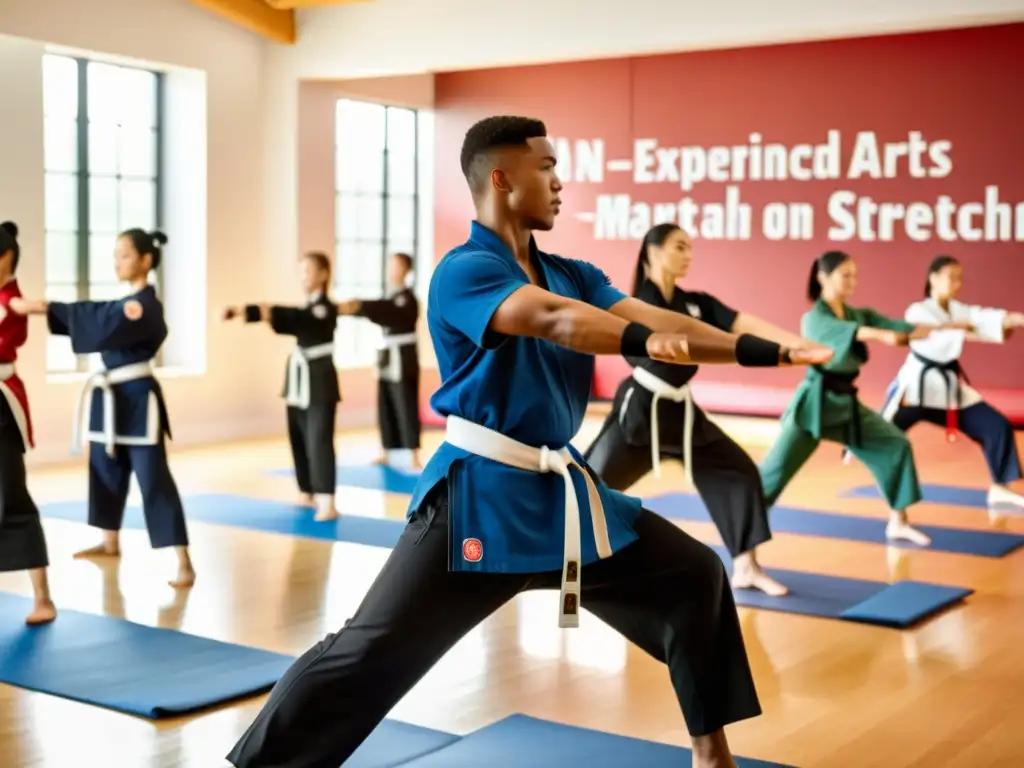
x=894 y=149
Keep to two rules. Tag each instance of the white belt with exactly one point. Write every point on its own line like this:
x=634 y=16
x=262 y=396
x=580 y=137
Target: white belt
x=297 y=393
x=393 y=370
x=105 y=381
x=660 y=389
x=400 y=340
x=498 y=447
x=6 y=371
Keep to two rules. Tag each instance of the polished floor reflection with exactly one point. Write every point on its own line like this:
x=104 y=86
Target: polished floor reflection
x=835 y=694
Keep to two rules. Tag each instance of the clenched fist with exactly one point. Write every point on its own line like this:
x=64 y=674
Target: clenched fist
x=668 y=348
x=808 y=353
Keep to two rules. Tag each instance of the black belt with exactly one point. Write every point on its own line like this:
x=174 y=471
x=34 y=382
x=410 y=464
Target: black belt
x=843 y=384
x=952 y=383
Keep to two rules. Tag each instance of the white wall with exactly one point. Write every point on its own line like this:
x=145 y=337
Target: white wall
x=388 y=37
x=236 y=396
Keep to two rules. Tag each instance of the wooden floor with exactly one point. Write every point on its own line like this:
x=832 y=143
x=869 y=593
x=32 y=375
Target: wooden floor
x=835 y=694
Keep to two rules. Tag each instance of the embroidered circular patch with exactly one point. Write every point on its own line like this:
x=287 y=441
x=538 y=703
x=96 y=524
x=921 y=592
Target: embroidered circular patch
x=132 y=309
x=319 y=311
x=472 y=550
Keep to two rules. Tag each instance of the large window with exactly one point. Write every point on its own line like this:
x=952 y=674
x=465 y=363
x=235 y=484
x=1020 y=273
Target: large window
x=102 y=148
x=377 y=209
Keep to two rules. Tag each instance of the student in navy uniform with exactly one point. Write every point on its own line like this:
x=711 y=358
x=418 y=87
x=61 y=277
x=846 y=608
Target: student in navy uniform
x=654 y=416
x=515 y=331
x=398 y=364
x=127 y=414
x=311 y=389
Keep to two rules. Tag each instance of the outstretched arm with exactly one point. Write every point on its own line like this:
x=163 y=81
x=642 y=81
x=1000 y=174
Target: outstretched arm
x=481 y=296
x=745 y=323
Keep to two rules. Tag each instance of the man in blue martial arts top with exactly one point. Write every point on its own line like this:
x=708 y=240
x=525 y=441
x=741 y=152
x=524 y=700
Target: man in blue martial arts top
x=505 y=504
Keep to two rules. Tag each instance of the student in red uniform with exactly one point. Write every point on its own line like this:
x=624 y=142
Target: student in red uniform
x=22 y=542
x=311 y=388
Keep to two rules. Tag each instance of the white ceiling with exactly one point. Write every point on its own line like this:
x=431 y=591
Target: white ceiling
x=389 y=37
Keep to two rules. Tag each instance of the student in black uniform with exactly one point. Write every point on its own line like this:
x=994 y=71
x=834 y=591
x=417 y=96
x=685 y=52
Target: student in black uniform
x=654 y=416
x=398 y=365
x=311 y=388
x=127 y=414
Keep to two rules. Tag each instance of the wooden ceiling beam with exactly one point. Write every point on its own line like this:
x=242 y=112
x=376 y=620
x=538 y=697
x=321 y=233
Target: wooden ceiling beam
x=299 y=4
x=277 y=24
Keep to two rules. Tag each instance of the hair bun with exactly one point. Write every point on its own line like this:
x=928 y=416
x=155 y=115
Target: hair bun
x=10 y=228
x=159 y=238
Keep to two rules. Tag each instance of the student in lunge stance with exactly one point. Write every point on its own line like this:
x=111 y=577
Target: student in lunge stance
x=127 y=419
x=826 y=406
x=398 y=365
x=311 y=389
x=515 y=330
x=654 y=417
x=22 y=541
x=931 y=386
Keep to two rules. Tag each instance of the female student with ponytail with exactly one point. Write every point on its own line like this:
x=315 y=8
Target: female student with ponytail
x=22 y=542
x=932 y=387
x=311 y=390
x=127 y=419
x=826 y=407
x=655 y=418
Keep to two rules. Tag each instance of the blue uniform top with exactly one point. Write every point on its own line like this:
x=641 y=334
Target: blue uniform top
x=130 y=330
x=529 y=389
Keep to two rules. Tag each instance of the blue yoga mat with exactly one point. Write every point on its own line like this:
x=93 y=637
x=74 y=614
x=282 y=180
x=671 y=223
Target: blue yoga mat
x=128 y=667
x=369 y=476
x=394 y=743
x=951 y=495
x=526 y=742
x=900 y=606
x=257 y=515
x=688 y=506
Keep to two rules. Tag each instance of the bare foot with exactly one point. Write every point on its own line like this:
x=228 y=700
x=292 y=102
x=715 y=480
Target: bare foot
x=43 y=612
x=100 y=550
x=305 y=500
x=712 y=751
x=755 y=578
x=899 y=529
x=748 y=574
x=381 y=461
x=325 y=509
x=185 y=579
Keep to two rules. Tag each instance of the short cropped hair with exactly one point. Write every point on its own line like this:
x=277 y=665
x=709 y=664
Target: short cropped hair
x=494 y=133
x=405 y=258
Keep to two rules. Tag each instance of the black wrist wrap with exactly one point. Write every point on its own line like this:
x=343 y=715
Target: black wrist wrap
x=252 y=313
x=755 y=352
x=634 y=340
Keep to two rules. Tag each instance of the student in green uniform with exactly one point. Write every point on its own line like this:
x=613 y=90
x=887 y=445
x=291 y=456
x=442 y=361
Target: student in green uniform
x=826 y=406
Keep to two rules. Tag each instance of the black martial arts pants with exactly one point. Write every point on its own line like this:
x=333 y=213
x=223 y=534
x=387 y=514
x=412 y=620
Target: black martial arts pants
x=726 y=478
x=22 y=542
x=311 y=435
x=984 y=425
x=398 y=412
x=666 y=592
x=109 y=478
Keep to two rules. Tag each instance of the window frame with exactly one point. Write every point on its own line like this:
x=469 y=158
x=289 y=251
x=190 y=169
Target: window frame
x=83 y=176
x=359 y=353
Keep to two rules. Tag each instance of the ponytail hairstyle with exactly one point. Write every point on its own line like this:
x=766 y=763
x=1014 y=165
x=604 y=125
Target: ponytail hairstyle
x=9 y=242
x=147 y=244
x=656 y=236
x=827 y=263
x=937 y=265
x=322 y=262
